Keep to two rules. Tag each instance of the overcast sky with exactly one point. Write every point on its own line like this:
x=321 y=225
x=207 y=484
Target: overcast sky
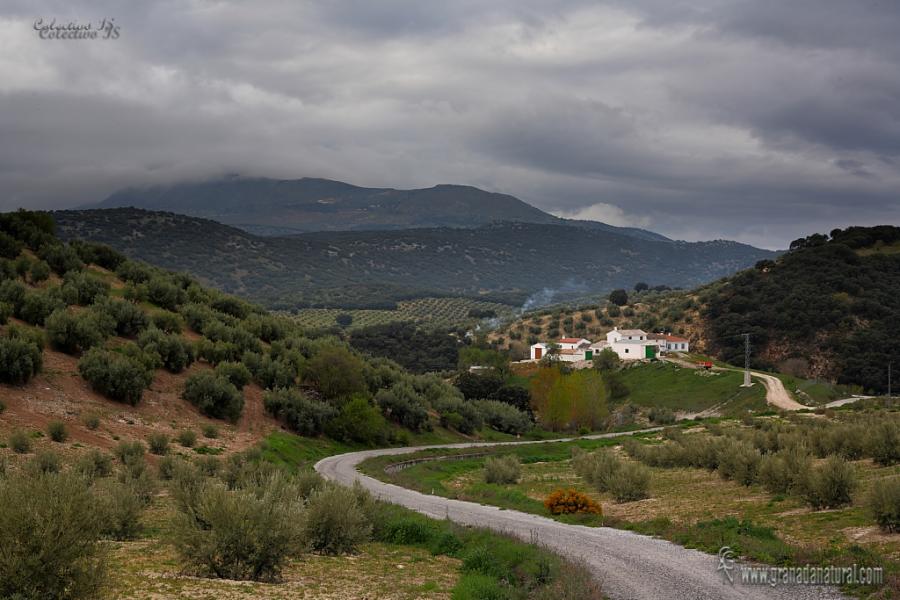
x=755 y=120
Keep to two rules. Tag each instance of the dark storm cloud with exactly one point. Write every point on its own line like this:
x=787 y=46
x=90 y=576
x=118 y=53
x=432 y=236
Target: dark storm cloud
x=749 y=119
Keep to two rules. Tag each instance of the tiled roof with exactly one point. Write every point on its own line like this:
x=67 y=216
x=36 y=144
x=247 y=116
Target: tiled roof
x=674 y=338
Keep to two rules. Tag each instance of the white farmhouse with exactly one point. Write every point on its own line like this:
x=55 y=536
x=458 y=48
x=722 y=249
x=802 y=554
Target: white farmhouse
x=631 y=344
x=539 y=350
x=677 y=344
x=628 y=344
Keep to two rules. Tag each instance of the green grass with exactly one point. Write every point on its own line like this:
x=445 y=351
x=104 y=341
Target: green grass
x=509 y=565
x=690 y=390
x=295 y=452
x=816 y=391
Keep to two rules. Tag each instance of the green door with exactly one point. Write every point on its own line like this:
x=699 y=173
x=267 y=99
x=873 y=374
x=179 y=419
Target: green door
x=650 y=352
x=588 y=354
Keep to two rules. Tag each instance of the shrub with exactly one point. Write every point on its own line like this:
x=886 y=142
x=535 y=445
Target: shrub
x=209 y=465
x=20 y=360
x=73 y=333
x=164 y=293
x=300 y=413
x=94 y=464
x=50 y=531
x=241 y=534
x=60 y=258
x=44 y=462
x=596 y=468
x=114 y=375
x=337 y=372
x=9 y=246
x=403 y=405
x=119 y=507
x=39 y=272
x=784 y=472
x=570 y=501
x=831 y=484
x=271 y=374
x=57 y=431
x=167 y=466
x=129 y=453
x=37 y=306
x=661 y=416
x=159 y=443
x=186 y=438
x=19 y=441
x=358 y=421
x=884 y=442
x=210 y=431
x=884 y=504
x=236 y=373
x=175 y=354
x=83 y=289
x=503 y=417
x=91 y=421
x=503 y=469
x=458 y=414
x=214 y=396
x=129 y=319
x=166 y=321
x=335 y=523
x=629 y=482
x=739 y=461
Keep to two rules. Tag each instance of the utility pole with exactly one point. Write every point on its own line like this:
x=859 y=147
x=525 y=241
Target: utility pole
x=747 y=381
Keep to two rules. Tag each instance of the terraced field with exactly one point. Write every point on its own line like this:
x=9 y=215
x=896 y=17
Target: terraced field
x=451 y=312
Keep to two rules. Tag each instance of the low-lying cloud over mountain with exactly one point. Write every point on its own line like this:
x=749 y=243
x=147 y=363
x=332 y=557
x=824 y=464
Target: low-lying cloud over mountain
x=753 y=120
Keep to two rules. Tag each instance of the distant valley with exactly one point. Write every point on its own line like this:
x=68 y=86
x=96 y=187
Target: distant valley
x=502 y=262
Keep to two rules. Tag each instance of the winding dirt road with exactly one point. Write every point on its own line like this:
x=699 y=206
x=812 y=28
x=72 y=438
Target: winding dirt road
x=629 y=566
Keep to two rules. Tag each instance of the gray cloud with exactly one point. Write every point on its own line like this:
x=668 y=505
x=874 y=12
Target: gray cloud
x=748 y=119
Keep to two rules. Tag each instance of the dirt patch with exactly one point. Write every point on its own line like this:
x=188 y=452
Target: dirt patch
x=59 y=393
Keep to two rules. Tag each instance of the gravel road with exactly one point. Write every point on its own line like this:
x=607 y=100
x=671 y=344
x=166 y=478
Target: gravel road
x=629 y=566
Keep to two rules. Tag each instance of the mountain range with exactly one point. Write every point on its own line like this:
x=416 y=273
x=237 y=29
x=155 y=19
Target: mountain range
x=503 y=261
x=281 y=207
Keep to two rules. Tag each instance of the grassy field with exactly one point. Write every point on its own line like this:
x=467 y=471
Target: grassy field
x=693 y=507
x=445 y=312
x=811 y=391
x=666 y=385
x=149 y=568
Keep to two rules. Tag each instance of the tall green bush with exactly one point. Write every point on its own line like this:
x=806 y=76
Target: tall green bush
x=240 y=534
x=214 y=396
x=115 y=376
x=50 y=530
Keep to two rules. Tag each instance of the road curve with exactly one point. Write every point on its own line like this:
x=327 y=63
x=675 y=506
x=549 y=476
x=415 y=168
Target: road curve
x=629 y=566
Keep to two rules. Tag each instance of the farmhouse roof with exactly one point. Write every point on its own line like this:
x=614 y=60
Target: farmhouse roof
x=675 y=338
x=632 y=332
x=571 y=340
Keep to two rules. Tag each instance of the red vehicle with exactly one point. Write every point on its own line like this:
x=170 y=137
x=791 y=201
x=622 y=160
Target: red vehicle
x=705 y=364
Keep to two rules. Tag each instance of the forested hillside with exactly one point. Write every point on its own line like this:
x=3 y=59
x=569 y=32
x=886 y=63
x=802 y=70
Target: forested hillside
x=119 y=330
x=505 y=262
x=828 y=308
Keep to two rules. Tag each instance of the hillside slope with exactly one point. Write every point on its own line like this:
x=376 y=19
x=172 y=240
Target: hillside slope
x=281 y=207
x=828 y=309
x=502 y=262
x=89 y=336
